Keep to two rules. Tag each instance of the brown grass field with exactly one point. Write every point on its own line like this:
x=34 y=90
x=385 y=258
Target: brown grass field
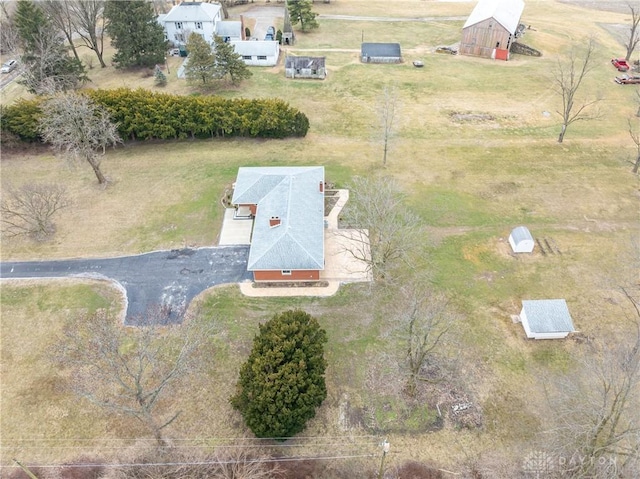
x=470 y=182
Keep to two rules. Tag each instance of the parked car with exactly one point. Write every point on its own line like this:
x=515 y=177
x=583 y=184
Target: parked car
x=621 y=64
x=269 y=37
x=271 y=31
x=9 y=66
x=628 y=80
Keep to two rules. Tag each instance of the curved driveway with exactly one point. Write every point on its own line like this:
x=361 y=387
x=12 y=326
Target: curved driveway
x=168 y=278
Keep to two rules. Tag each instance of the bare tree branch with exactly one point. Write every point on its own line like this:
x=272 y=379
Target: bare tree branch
x=568 y=77
x=29 y=210
x=382 y=231
x=127 y=370
x=73 y=124
x=634 y=31
x=87 y=15
x=388 y=105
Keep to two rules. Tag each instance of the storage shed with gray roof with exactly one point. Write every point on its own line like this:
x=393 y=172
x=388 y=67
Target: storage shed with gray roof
x=380 y=53
x=287 y=243
x=546 y=319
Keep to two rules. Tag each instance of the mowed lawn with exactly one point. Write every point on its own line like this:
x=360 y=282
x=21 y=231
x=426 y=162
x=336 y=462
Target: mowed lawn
x=476 y=153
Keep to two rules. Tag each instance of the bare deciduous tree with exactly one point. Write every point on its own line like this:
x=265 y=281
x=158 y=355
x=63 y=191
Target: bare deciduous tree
x=384 y=229
x=424 y=319
x=596 y=410
x=387 y=110
x=87 y=15
x=634 y=31
x=73 y=124
x=634 y=133
x=568 y=77
x=9 y=36
x=29 y=210
x=59 y=12
x=127 y=370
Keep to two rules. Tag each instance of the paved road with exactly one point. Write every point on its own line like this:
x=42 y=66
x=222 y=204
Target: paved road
x=170 y=278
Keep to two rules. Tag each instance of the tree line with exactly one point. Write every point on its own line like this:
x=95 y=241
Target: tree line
x=144 y=115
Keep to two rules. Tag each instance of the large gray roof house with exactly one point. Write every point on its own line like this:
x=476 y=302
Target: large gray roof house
x=287 y=243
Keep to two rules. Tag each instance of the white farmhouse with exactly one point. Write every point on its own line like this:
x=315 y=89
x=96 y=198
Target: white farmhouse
x=191 y=17
x=546 y=319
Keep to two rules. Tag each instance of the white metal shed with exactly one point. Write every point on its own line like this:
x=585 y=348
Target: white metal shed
x=521 y=240
x=546 y=319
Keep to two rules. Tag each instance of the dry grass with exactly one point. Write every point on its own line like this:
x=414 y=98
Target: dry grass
x=470 y=181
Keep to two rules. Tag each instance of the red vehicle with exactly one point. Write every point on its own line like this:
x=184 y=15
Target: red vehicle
x=621 y=64
x=628 y=79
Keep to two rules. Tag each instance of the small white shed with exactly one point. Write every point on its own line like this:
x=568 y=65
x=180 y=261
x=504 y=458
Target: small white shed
x=546 y=319
x=521 y=240
x=258 y=53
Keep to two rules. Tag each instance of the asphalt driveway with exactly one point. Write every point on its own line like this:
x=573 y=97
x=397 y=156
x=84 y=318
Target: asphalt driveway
x=168 y=278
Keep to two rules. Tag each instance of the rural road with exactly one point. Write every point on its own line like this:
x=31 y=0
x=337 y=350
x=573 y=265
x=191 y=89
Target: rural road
x=169 y=278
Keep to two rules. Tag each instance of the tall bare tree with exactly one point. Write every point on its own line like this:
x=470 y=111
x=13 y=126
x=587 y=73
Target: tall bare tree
x=382 y=229
x=29 y=210
x=87 y=18
x=80 y=129
x=597 y=431
x=568 y=77
x=634 y=31
x=128 y=370
x=388 y=106
x=634 y=133
x=424 y=318
x=60 y=15
x=9 y=36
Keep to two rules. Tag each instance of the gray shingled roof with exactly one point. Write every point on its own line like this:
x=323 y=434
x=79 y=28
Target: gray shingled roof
x=391 y=50
x=193 y=12
x=304 y=62
x=256 y=47
x=292 y=194
x=229 y=28
x=506 y=12
x=548 y=315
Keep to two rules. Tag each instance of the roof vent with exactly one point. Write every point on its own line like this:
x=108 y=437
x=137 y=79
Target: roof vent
x=274 y=221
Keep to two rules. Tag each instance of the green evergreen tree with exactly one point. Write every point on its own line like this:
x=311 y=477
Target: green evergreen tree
x=201 y=64
x=160 y=77
x=300 y=11
x=282 y=383
x=135 y=33
x=228 y=62
x=48 y=66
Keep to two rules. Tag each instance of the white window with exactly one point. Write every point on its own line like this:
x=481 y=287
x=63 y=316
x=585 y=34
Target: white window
x=286 y=272
x=179 y=37
x=262 y=57
x=246 y=57
x=199 y=25
x=178 y=25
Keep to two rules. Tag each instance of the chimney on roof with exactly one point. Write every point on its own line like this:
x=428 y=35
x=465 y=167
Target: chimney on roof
x=274 y=221
x=322 y=187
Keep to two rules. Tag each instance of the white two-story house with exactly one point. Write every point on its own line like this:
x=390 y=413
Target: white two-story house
x=191 y=17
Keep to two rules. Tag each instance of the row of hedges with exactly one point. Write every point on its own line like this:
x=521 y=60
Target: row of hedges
x=144 y=115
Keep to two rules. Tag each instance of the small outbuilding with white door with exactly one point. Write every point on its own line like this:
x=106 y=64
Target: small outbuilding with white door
x=546 y=319
x=521 y=240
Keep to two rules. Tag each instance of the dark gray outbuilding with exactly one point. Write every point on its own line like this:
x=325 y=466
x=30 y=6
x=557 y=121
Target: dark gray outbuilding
x=380 y=53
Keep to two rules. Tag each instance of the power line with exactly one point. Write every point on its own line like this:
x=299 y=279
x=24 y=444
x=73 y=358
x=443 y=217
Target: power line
x=203 y=463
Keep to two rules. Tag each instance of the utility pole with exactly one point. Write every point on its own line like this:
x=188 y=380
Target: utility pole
x=25 y=469
x=385 y=449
